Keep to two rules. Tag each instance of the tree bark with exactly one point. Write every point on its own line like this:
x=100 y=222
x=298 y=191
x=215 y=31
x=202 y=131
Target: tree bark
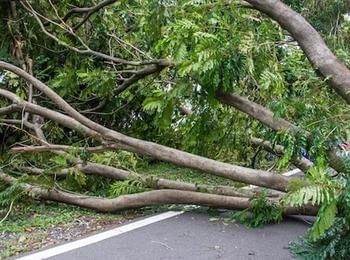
x=266 y=117
x=82 y=124
x=151 y=198
x=150 y=180
x=254 y=110
x=302 y=163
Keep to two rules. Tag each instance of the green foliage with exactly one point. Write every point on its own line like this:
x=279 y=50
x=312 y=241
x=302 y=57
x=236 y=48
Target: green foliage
x=60 y=161
x=173 y=172
x=33 y=225
x=97 y=186
x=325 y=219
x=10 y=194
x=315 y=194
x=40 y=216
x=75 y=179
x=93 y=81
x=261 y=212
x=329 y=238
x=162 y=105
x=320 y=190
x=129 y=186
x=215 y=45
x=120 y=159
x=333 y=244
x=299 y=143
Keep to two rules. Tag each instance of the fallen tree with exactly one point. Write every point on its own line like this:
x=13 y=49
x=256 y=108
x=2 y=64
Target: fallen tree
x=36 y=108
x=85 y=126
x=151 y=198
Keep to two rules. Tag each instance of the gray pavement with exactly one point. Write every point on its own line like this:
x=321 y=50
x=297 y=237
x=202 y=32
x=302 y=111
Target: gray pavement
x=193 y=236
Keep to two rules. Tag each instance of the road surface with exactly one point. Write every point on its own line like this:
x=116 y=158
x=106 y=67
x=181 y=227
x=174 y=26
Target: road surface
x=182 y=236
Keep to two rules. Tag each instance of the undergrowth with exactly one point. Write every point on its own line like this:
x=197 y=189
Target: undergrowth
x=260 y=213
x=173 y=172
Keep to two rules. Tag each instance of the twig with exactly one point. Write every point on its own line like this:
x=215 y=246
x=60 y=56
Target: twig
x=88 y=11
x=129 y=44
x=163 y=244
x=21 y=129
x=8 y=212
x=87 y=50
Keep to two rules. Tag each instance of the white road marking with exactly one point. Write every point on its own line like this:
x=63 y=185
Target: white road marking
x=99 y=237
x=115 y=232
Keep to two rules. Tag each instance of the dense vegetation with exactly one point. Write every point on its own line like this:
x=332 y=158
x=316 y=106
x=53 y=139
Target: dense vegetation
x=219 y=79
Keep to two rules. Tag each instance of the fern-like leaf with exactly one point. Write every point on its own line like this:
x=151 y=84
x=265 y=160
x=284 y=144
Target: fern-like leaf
x=325 y=219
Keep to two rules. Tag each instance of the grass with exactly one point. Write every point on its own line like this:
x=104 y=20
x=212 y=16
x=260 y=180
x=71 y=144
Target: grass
x=173 y=172
x=40 y=215
x=33 y=225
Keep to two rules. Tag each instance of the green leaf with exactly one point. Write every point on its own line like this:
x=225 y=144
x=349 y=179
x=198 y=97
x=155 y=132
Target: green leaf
x=325 y=219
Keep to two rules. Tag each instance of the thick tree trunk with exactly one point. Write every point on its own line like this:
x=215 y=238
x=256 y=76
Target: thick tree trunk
x=151 y=198
x=202 y=164
x=150 y=181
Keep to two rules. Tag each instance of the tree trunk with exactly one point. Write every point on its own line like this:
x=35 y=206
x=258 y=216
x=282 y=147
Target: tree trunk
x=151 y=198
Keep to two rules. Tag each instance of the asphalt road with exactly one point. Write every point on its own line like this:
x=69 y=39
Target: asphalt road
x=193 y=236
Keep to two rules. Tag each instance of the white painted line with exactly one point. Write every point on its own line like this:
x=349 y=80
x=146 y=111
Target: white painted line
x=99 y=237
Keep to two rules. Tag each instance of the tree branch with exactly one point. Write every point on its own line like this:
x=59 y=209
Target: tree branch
x=64 y=148
x=302 y=163
x=255 y=110
x=151 y=198
x=88 y=11
x=7 y=110
x=86 y=50
x=152 y=69
x=316 y=50
x=150 y=181
x=98 y=107
x=266 y=117
x=84 y=125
